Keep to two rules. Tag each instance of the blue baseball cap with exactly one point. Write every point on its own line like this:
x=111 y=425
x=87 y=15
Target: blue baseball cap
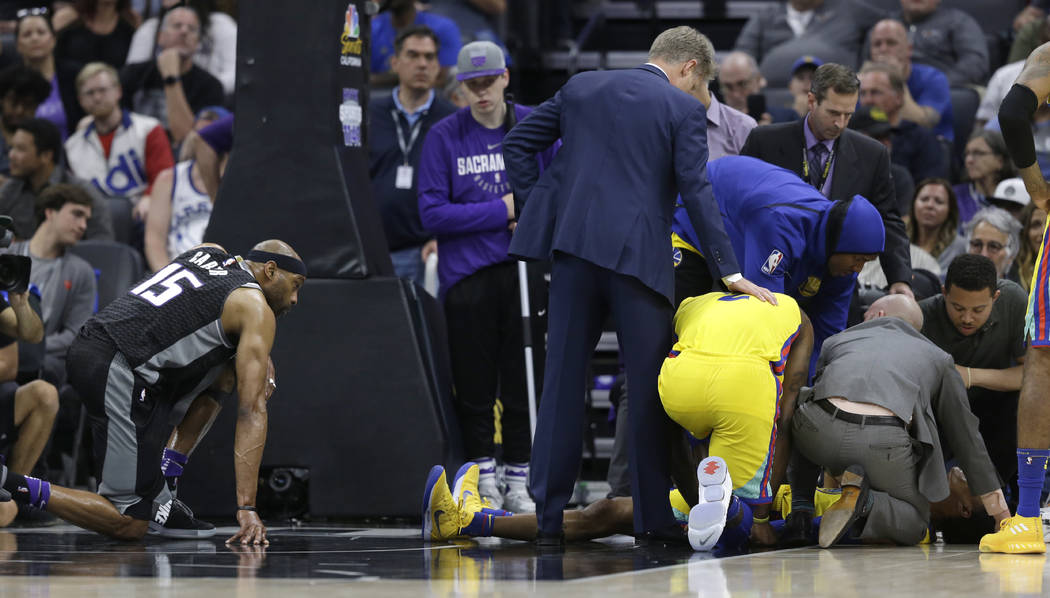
x=807 y=60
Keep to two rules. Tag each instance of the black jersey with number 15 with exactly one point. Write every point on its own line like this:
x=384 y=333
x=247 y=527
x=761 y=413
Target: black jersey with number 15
x=172 y=319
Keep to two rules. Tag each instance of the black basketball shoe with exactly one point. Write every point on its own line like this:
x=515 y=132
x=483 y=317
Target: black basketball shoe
x=180 y=523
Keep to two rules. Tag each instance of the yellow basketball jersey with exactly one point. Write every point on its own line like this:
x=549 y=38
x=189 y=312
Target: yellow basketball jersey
x=737 y=325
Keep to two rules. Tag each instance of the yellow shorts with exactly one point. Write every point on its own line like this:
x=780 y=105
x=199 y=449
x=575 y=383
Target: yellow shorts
x=735 y=401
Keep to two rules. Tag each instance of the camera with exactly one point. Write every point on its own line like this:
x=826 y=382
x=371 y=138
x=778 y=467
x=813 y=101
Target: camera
x=14 y=269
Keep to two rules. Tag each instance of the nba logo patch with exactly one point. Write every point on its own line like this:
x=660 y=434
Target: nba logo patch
x=676 y=256
x=772 y=261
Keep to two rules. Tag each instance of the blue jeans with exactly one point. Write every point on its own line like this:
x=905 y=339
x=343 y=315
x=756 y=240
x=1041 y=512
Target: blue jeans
x=408 y=264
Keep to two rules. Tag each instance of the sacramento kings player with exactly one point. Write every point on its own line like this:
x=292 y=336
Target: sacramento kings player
x=166 y=352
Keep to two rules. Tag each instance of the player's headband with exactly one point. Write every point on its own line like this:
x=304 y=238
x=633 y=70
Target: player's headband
x=283 y=262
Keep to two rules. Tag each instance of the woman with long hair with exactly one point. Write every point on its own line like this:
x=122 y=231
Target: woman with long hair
x=1033 y=222
x=35 y=42
x=933 y=221
x=987 y=162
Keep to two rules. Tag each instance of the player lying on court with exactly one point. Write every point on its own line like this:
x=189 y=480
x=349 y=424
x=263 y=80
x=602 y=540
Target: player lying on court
x=725 y=379
x=168 y=351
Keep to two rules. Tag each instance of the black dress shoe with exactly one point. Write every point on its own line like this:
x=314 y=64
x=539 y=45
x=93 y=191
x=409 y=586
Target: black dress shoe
x=544 y=540
x=842 y=517
x=796 y=530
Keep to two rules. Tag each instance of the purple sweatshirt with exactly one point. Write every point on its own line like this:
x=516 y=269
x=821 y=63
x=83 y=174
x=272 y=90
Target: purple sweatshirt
x=461 y=182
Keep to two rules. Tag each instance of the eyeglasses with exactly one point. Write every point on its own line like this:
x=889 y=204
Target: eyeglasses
x=979 y=245
x=40 y=11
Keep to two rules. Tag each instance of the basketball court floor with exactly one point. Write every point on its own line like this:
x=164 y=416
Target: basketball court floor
x=327 y=561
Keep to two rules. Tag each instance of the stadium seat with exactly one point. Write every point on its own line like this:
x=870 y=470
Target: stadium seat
x=117 y=267
x=964 y=109
x=120 y=216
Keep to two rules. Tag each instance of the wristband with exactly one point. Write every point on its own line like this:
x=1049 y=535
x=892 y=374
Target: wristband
x=246 y=508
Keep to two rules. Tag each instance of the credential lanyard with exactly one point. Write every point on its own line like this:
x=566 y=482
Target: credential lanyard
x=805 y=165
x=406 y=148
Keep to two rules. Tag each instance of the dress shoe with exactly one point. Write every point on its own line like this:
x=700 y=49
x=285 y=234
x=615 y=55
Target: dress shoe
x=841 y=517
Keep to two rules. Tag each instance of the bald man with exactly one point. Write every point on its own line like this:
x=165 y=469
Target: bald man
x=168 y=351
x=883 y=399
x=927 y=99
x=738 y=78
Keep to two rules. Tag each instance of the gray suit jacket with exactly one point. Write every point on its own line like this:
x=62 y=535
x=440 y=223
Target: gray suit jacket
x=842 y=23
x=888 y=363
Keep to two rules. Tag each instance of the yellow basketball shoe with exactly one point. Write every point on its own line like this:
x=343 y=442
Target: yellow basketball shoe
x=441 y=519
x=467 y=495
x=1016 y=535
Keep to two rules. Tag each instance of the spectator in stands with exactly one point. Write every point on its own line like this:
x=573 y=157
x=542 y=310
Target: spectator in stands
x=181 y=209
x=740 y=80
x=1033 y=222
x=217 y=52
x=35 y=41
x=400 y=15
x=926 y=100
x=213 y=145
x=998 y=86
x=172 y=88
x=477 y=19
x=1029 y=37
x=121 y=152
x=987 y=163
x=465 y=200
x=95 y=31
x=66 y=281
x=947 y=39
x=979 y=321
x=398 y=126
x=933 y=222
x=801 y=82
x=914 y=147
x=840 y=22
x=727 y=127
x=995 y=234
x=1011 y=196
x=180 y=206
x=36 y=148
x=27 y=412
x=22 y=90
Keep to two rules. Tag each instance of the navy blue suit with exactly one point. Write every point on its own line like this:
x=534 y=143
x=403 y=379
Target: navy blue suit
x=602 y=213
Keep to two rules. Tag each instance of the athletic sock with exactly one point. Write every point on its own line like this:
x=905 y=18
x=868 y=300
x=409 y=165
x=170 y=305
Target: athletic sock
x=516 y=475
x=486 y=472
x=480 y=525
x=735 y=538
x=1031 y=469
x=28 y=490
x=172 y=463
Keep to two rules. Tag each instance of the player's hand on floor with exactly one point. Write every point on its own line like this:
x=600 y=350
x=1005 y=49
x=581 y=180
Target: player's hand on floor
x=252 y=529
x=749 y=288
x=762 y=534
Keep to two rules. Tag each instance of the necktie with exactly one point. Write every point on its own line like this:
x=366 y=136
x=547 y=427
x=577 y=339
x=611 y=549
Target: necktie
x=818 y=156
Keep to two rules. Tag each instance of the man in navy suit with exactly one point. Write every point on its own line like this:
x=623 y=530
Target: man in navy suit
x=631 y=139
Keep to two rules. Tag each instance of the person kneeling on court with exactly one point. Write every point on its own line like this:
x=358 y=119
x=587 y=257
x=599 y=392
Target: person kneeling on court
x=883 y=399
x=165 y=351
x=725 y=379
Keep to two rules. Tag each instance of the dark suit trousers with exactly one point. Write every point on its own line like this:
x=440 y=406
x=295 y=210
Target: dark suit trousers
x=581 y=296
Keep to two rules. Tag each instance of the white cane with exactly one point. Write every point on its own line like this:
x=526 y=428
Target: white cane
x=526 y=323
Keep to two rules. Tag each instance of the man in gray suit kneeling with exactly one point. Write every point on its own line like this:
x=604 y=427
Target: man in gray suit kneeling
x=883 y=398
